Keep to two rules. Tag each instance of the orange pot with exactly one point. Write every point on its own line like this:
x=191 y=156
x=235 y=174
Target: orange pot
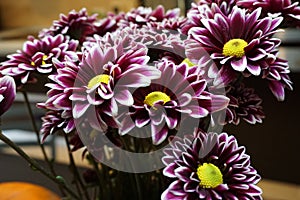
x=25 y=191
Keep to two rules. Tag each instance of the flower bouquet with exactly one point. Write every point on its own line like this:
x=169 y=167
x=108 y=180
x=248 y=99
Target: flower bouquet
x=146 y=94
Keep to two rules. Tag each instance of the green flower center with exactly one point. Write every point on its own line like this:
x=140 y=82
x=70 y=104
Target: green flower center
x=188 y=62
x=210 y=175
x=102 y=78
x=156 y=96
x=235 y=47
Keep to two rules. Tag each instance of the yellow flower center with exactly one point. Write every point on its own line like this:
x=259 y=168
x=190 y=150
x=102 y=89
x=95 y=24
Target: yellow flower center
x=102 y=78
x=209 y=175
x=235 y=47
x=188 y=62
x=44 y=59
x=156 y=96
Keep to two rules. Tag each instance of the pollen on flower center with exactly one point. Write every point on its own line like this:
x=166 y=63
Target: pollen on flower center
x=44 y=59
x=102 y=78
x=235 y=47
x=188 y=62
x=156 y=96
x=209 y=175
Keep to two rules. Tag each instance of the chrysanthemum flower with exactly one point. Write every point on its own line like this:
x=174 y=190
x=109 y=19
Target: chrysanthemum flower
x=7 y=93
x=285 y=8
x=240 y=40
x=36 y=56
x=108 y=24
x=244 y=104
x=77 y=25
x=174 y=24
x=107 y=72
x=141 y=16
x=205 y=9
x=58 y=104
x=161 y=43
x=278 y=76
x=51 y=122
x=218 y=2
x=209 y=166
x=177 y=95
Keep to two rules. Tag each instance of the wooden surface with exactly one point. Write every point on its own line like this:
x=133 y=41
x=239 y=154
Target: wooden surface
x=275 y=190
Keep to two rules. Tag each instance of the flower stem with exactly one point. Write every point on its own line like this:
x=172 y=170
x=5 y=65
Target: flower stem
x=78 y=181
x=97 y=170
x=34 y=164
x=42 y=147
x=135 y=175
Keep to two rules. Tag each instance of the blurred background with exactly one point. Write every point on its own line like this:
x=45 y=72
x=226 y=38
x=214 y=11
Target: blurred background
x=273 y=145
x=40 y=13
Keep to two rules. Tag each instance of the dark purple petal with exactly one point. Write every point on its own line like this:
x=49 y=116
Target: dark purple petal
x=277 y=89
x=237 y=19
x=160 y=133
x=7 y=93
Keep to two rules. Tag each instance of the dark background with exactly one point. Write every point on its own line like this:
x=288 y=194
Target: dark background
x=274 y=145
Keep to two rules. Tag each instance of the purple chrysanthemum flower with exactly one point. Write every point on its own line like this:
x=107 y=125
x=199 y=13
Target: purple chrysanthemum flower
x=7 y=93
x=36 y=56
x=218 y=2
x=278 y=76
x=205 y=9
x=174 y=24
x=285 y=8
x=51 y=122
x=161 y=43
x=177 y=95
x=107 y=72
x=240 y=41
x=77 y=25
x=58 y=104
x=108 y=24
x=209 y=166
x=141 y=16
x=244 y=104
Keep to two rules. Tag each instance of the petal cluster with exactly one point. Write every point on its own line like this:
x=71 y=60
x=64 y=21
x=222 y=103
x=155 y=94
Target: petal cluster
x=285 y=8
x=185 y=156
x=141 y=16
x=221 y=37
x=178 y=94
x=76 y=25
x=278 y=78
x=7 y=93
x=58 y=104
x=244 y=104
x=36 y=57
x=233 y=43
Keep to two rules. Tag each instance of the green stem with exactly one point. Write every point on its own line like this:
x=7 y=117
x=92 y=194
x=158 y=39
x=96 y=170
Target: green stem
x=135 y=175
x=34 y=164
x=96 y=168
x=75 y=171
x=42 y=147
